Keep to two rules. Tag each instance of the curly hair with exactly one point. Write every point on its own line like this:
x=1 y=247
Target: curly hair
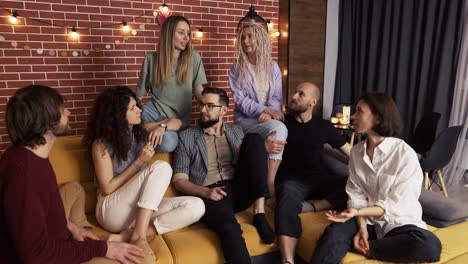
x=108 y=123
x=263 y=66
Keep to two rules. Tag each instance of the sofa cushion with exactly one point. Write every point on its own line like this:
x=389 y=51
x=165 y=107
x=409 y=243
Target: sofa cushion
x=313 y=225
x=334 y=161
x=462 y=259
x=444 y=211
x=201 y=245
x=70 y=160
x=158 y=244
x=454 y=241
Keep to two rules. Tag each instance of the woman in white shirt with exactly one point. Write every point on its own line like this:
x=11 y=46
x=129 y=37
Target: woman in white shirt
x=383 y=219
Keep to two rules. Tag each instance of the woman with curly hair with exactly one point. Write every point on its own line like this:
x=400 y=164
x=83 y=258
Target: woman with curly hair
x=130 y=197
x=255 y=81
x=170 y=74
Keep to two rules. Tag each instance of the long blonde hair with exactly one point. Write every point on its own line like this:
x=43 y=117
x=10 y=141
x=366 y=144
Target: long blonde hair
x=263 y=67
x=165 y=58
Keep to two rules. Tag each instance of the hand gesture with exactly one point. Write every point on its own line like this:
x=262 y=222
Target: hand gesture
x=275 y=114
x=263 y=117
x=146 y=153
x=273 y=146
x=124 y=253
x=156 y=135
x=215 y=194
x=361 y=241
x=341 y=217
x=79 y=233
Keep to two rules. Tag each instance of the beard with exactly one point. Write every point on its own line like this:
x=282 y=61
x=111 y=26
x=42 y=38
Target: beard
x=294 y=108
x=208 y=123
x=61 y=129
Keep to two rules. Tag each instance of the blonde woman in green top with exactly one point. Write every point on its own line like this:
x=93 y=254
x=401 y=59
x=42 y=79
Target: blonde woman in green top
x=170 y=74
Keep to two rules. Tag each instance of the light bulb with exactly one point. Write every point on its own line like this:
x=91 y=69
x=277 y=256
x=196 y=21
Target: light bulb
x=13 y=18
x=74 y=33
x=277 y=33
x=270 y=24
x=125 y=26
x=165 y=8
x=200 y=33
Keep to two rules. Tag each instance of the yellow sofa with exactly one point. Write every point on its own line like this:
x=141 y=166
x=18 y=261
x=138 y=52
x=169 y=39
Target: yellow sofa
x=197 y=244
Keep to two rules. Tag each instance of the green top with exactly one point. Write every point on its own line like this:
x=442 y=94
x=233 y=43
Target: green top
x=172 y=99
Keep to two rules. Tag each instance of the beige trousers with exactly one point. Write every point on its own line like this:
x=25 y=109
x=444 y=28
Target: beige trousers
x=73 y=198
x=116 y=212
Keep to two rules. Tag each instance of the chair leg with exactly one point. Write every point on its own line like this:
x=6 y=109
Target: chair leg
x=426 y=180
x=442 y=183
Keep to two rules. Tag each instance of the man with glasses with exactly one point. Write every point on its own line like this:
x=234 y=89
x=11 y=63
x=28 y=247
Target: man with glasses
x=227 y=170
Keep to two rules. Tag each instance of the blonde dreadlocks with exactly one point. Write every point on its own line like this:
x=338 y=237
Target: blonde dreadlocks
x=263 y=68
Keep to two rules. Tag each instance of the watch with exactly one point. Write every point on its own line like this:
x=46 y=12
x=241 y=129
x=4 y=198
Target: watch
x=163 y=126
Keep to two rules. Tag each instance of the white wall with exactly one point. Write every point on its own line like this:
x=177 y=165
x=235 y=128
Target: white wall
x=331 y=55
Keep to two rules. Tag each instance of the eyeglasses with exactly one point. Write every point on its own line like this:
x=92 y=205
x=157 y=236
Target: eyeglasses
x=209 y=106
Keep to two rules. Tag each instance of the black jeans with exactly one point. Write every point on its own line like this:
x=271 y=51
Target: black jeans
x=248 y=185
x=407 y=243
x=290 y=193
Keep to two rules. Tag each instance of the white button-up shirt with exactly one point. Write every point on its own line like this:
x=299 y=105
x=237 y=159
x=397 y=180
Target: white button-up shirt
x=391 y=180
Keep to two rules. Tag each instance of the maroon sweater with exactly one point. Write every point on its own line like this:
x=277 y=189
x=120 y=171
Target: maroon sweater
x=33 y=227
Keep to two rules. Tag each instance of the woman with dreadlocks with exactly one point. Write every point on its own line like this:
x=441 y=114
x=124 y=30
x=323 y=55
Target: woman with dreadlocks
x=255 y=81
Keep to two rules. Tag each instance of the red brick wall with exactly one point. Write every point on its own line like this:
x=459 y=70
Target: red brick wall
x=79 y=78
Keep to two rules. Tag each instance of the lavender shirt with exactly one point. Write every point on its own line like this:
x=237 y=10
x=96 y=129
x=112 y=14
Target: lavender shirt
x=247 y=105
x=119 y=166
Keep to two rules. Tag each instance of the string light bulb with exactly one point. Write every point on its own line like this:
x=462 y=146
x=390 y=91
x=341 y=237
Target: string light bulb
x=277 y=33
x=125 y=26
x=13 y=17
x=200 y=33
x=74 y=32
x=164 y=7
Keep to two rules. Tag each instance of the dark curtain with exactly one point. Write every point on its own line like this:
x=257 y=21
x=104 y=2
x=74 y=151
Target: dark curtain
x=405 y=48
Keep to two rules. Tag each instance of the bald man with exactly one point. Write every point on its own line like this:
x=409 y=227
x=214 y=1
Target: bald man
x=301 y=175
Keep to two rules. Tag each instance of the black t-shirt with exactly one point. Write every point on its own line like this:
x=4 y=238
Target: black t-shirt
x=301 y=156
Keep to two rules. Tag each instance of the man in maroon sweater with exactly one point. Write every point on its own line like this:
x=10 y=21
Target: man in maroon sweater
x=33 y=227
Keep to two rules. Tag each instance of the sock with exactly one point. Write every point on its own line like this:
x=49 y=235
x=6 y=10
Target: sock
x=263 y=228
x=308 y=207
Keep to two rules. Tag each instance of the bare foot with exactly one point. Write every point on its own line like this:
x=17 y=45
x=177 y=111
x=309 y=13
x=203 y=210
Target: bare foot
x=150 y=257
x=124 y=236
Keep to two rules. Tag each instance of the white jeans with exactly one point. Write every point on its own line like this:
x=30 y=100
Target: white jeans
x=117 y=211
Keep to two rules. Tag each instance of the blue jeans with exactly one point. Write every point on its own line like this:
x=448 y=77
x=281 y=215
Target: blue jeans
x=150 y=115
x=407 y=243
x=251 y=125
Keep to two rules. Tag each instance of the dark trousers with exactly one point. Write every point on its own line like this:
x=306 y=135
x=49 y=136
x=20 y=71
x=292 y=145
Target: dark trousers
x=248 y=185
x=407 y=243
x=290 y=193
